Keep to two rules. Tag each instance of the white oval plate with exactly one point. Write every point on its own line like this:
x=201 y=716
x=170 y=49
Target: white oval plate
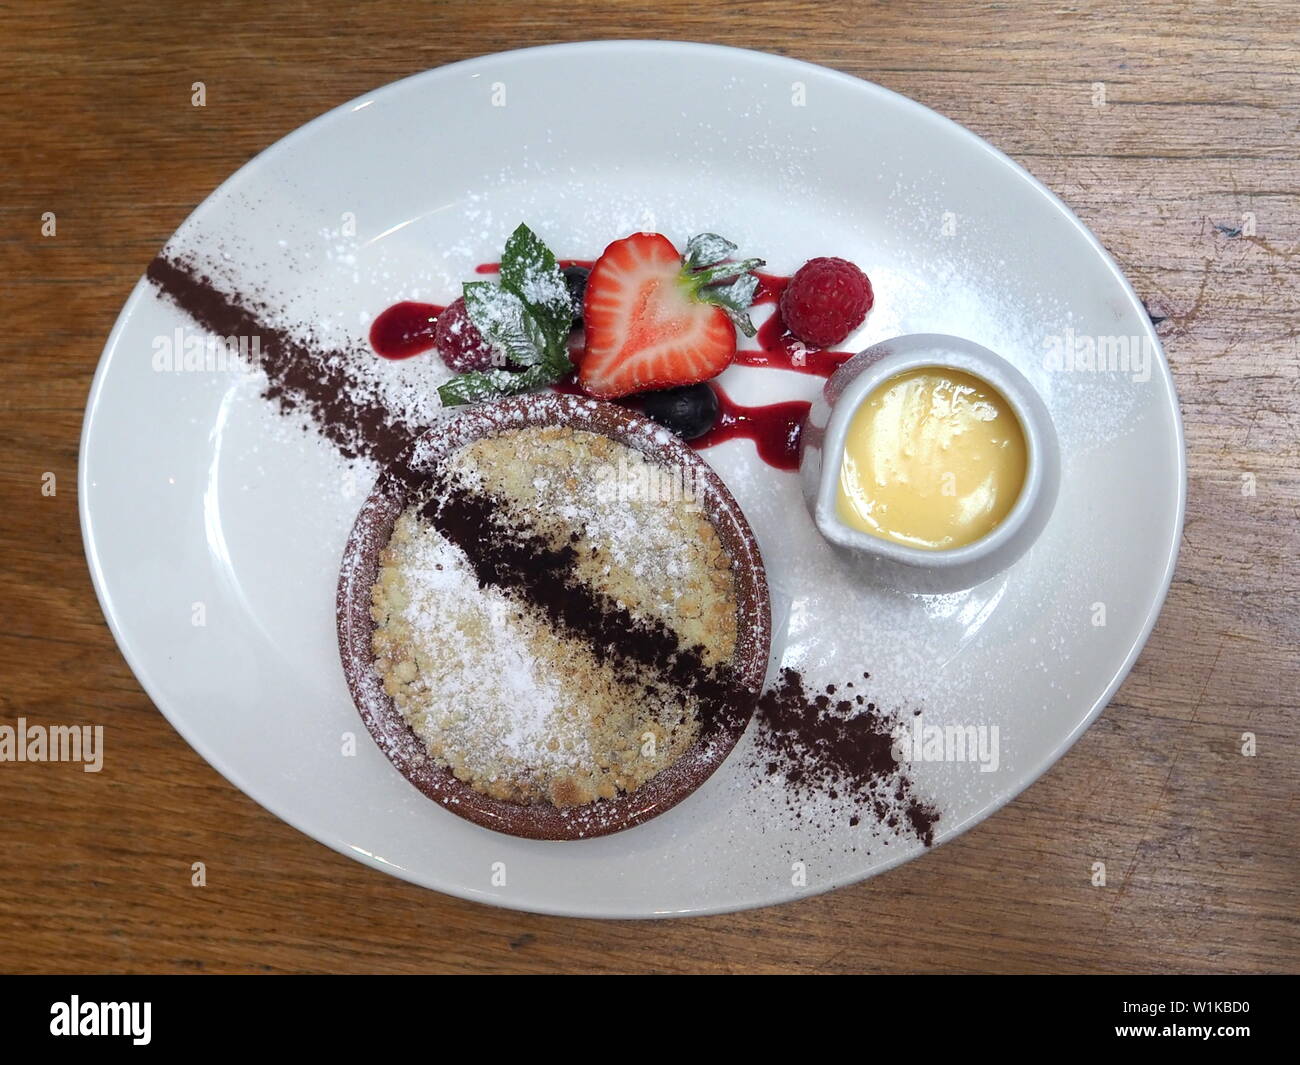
x=199 y=503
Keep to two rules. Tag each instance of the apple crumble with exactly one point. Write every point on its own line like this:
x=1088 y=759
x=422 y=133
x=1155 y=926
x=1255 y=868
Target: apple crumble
x=544 y=611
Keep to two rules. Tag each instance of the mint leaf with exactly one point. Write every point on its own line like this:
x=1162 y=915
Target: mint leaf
x=474 y=386
x=526 y=319
x=479 y=385
x=506 y=323
x=705 y=249
x=529 y=270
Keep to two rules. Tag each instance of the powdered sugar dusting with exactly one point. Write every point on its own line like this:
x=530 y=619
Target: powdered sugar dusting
x=493 y=702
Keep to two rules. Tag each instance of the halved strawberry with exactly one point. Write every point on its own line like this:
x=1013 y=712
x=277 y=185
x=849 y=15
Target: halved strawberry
x=655 y=320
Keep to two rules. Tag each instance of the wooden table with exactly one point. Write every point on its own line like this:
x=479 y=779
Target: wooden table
x=1188 y=175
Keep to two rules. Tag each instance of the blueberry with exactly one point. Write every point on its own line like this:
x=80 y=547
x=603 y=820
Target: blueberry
x=689 y=411
x=576 y=278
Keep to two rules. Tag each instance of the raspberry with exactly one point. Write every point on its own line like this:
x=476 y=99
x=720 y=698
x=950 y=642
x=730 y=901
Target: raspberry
x=459 y=342
x=825 y=301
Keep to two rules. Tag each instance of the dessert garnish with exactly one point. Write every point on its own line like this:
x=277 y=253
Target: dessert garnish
x=303 y=377
x=774 y=428
x=835 y=745
x=405 y=329
x=524 y=320
x=689 y=411
x=933 y=458
x=655 y=318
x=575 y=276
x=825 y=301
x=462 y=347
x=620 y=358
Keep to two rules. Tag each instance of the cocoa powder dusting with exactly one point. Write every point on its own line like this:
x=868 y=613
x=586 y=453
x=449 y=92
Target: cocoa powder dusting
x=842 y=748
x=301 y=376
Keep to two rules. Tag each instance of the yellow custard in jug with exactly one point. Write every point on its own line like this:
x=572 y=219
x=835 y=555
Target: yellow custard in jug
x=933 y=458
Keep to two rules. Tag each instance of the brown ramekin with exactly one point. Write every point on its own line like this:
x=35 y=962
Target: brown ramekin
x=370 y=534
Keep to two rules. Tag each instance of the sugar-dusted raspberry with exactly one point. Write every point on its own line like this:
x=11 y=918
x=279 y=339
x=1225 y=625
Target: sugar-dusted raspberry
x=459 y=342
x=825 y=301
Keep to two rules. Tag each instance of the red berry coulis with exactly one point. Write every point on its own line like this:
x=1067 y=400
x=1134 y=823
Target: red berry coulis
x=774 y=428
x=404 y=329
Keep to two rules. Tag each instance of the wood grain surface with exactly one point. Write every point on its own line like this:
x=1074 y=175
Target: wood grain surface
x=1188 y=175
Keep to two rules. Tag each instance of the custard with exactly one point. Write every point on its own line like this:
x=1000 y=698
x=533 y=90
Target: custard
x=933 y=458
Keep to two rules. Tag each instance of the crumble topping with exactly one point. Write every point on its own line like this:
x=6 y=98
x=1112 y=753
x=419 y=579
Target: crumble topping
x=517 y=707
